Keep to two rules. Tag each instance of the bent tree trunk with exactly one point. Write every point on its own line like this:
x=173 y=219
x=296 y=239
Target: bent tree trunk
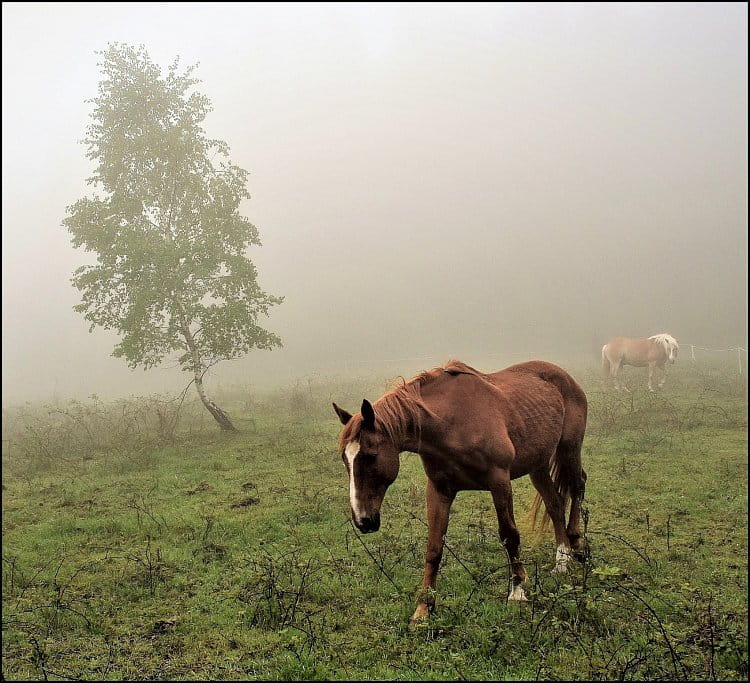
x=219 y=415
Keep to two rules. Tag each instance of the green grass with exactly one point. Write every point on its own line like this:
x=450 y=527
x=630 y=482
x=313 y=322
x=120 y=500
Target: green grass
x=194 y=554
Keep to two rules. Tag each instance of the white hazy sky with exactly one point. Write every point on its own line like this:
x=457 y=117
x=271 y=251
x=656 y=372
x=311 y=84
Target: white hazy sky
x=429 y=180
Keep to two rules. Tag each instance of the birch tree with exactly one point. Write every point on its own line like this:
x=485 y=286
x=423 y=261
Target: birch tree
x=172 y=276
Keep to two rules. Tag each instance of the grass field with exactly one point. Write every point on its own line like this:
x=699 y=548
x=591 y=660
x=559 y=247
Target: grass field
x=141 y=547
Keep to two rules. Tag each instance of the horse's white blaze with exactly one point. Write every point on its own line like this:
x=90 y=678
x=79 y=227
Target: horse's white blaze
x=562 y=557
x=351 y=450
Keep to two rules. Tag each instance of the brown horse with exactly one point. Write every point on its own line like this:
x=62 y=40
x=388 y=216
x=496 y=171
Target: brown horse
x=653 y=352
x=473 y=431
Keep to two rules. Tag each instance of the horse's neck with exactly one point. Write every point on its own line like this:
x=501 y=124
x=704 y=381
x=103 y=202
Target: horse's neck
x=660 y=349
x=422 y=429
x=416 y=440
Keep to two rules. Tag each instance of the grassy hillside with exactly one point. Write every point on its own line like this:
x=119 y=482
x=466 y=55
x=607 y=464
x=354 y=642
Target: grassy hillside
x=139 y=543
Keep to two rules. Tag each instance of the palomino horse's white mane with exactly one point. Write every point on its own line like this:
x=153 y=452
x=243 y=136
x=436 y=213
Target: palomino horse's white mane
x=667 y=341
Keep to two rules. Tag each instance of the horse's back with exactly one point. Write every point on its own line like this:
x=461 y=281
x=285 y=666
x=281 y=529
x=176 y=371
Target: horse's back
x=531 y=382
x=533 y=388
x=529 y=377
x=547 y=372
x=617 y=346
x=636 y=352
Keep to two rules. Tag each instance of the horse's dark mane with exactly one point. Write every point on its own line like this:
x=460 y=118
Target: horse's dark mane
x=398 y=412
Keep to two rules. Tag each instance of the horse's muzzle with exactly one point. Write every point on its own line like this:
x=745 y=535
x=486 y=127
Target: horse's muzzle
x=368 y=524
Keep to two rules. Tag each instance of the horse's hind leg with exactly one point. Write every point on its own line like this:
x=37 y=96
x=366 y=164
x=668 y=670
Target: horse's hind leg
x=575 y=529
x=555 y=505
x=438 y=506
x=606 y=368
x=615 y=367
x=502 y=497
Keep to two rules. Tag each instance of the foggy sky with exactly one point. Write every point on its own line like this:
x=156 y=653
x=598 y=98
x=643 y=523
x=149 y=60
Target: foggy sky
x=490 y=181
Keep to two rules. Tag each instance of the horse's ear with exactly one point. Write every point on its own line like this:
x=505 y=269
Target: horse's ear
x=368 y=414
x=343 y=415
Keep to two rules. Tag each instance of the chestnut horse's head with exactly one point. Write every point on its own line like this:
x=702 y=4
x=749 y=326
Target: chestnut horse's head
x=371 y=460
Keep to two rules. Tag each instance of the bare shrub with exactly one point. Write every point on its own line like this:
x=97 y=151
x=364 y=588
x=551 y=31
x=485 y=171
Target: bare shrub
x=39 y=436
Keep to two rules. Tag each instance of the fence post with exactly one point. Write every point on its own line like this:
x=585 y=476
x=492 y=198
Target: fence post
x=739 y=358
x=692 y=351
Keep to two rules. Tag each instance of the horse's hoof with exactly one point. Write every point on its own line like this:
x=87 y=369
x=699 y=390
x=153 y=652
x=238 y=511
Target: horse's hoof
x=419 y=617
x=517 y=595
x=520 y=600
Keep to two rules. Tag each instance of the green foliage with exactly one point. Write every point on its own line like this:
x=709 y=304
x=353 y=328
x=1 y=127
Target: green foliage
x=164 y=224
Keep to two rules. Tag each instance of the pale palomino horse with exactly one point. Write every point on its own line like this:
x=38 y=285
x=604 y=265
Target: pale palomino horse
x=653 y=352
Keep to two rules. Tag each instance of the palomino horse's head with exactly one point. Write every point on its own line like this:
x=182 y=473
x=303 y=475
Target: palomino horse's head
x=372 y=462
x=669 y=343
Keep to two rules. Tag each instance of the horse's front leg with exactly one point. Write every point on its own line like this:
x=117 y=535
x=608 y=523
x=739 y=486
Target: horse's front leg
x=502 y=496
x=616 y=366
x=651 y=367
x=438 y=509
x=663 y=376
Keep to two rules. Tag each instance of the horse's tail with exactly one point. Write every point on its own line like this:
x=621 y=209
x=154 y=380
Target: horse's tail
x=534 y=513
x=565 y=467
x=561 y=485
x=568 y=477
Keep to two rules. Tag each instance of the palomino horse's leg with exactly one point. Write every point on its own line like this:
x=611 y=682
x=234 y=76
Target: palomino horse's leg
x=651 y=367
x=502 y=496
x=438 y=506
x=663 y=379
x=555 y=505
x=615 y=366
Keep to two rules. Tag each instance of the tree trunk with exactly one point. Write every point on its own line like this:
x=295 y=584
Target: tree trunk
x=219 y=415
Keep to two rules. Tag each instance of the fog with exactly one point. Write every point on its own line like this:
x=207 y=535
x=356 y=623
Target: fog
x=492 y=182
